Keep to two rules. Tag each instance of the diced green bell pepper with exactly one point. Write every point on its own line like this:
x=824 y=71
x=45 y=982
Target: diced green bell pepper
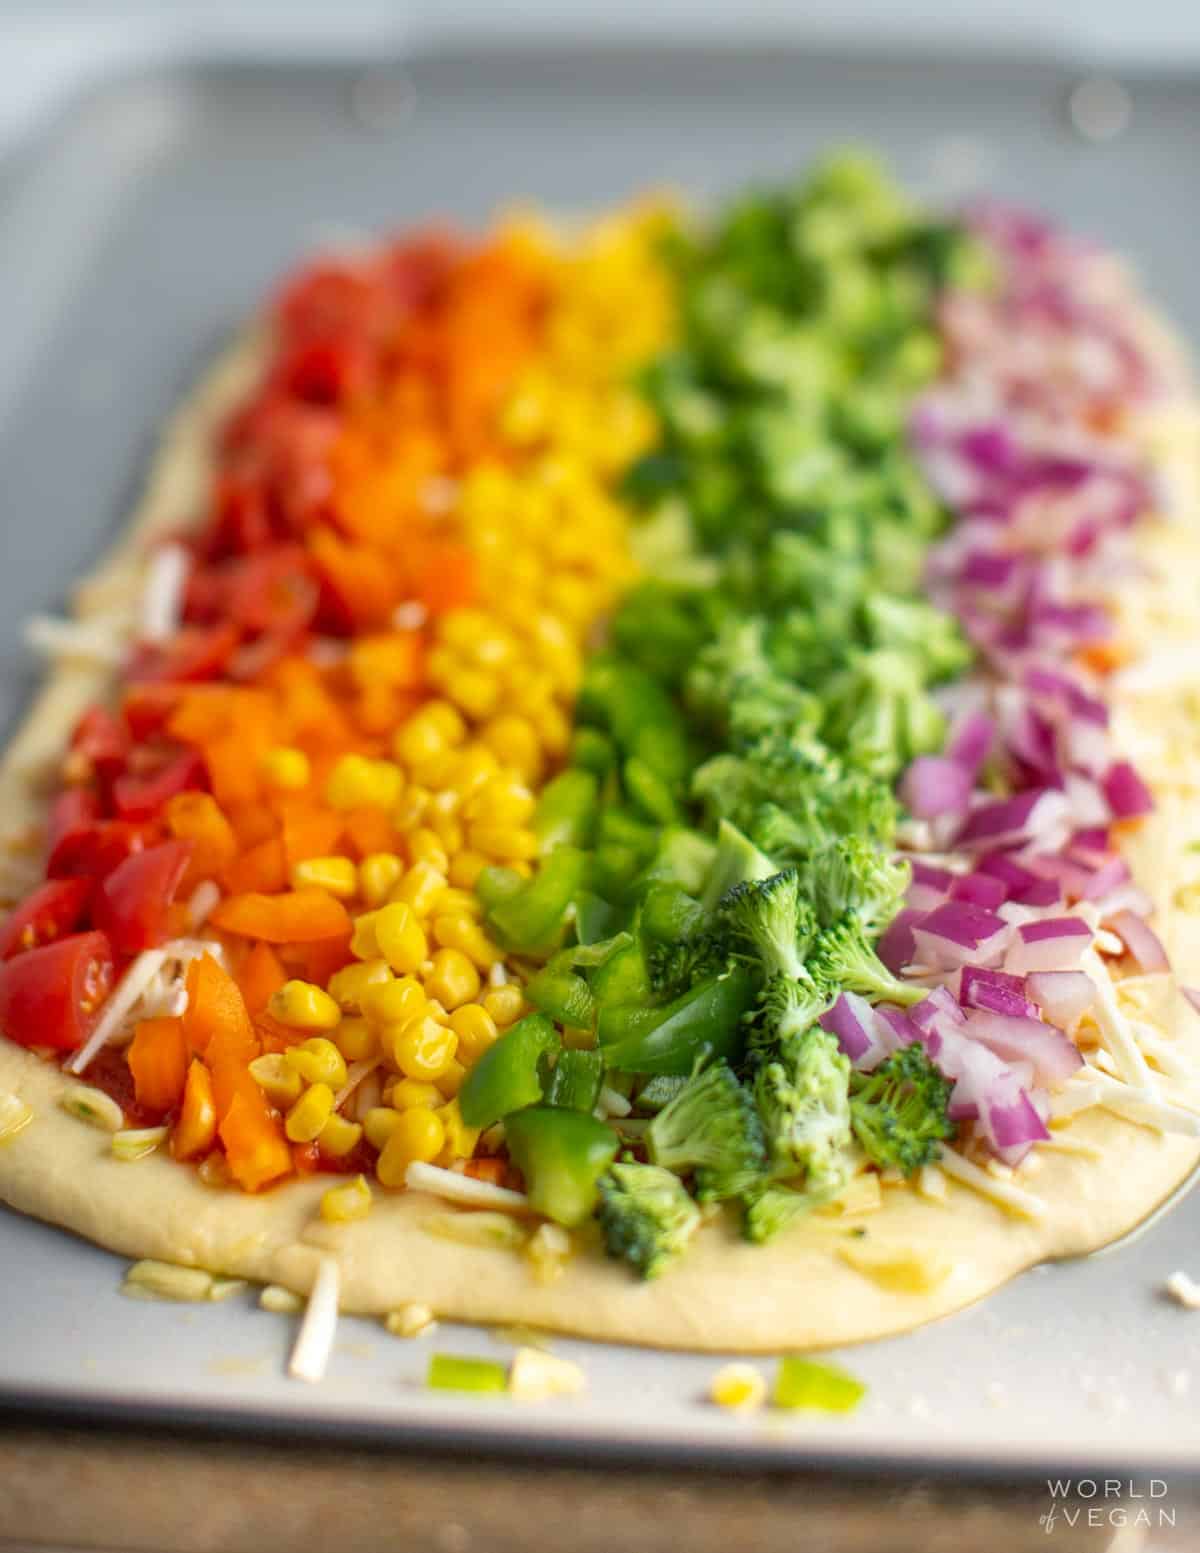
x=498 y=884
x=507 y=1076
x=704 y=1021
x=454 y=1372
x=567 y=810
x=669 y=914
x=810 y=1384
x=562 y=1155
x=563 y=994
x=595 y=918
x=532 y=918
x=660 y=1090
x=623 y=978
x=576 y=1080
x=649 y=792
x=593 y=751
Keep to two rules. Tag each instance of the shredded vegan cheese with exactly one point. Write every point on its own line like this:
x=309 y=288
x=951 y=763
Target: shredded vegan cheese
x=314 y=1343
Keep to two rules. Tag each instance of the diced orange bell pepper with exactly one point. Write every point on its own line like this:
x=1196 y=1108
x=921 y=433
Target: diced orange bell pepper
x=309 y=831
x=256 y=1149
x=252 y=823
x=1104 y=657
x=294 y=917
x=306 y=1158
x=368 y=830
x=360 y=588
x=215 y=1008
x=317 y=961
x=262 y=867
x=196 y=1128
x=197 y=817
x=260 y=977
x=487 y=1169
x=447 y=578
x=232 y=762
x=158 y=1060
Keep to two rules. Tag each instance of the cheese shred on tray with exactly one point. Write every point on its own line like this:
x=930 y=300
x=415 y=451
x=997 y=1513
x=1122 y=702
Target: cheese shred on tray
x=644 y=735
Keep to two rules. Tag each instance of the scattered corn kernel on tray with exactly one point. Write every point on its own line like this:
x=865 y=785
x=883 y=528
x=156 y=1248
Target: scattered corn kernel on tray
x=163 y=209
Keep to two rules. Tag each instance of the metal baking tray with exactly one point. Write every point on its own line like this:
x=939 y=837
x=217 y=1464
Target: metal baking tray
x=142 y=223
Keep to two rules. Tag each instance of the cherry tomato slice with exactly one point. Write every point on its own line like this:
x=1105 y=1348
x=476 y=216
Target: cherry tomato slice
x=195 y=653
x=140 y=798
x=133 y=903
x=98 y=848
x=103 y=740
x=273 y=591
x=50 y=996
x=73 y=816
x=50 y=912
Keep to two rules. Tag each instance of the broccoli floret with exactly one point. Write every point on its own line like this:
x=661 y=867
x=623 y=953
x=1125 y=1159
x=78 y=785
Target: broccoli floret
x=646 y=1215
x=773 y=1208
x=855 y=876
x=737 y=860
x=771 y=920
x=735 y=657
x=711 y=1127
x=898 y=1112
x=675 y=967
x=912 y=626
x=879 y=714
x=844 y=957
x=767 y=704
x=786 y=1008
x=803 y=1099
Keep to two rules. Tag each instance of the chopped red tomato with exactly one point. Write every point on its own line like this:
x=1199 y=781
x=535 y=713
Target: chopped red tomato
x=141 y=797
x=132 y=905
x=273 y=590
x=50 y=996
x=53 y=910
x=103 y=740
x=195 y=653
x=241 y=524
x=325 y=370
x=98 y=848
x=145 y=708
x=73 y=816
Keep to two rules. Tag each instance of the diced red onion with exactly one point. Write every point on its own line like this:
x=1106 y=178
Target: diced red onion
x=979 y=889
x=970 y=741
x=934 y=785
x=1013 y=1126
x=995 y=992
x=1107 y=878
x=1010 y=821
x=1142 y=942
x=1128 y=796
x=895 y=1028
x=958 y=933
x=1055 y=944
x=1054 y=1057
x=1062 y=996
x=852 y=1020
x=896 y=947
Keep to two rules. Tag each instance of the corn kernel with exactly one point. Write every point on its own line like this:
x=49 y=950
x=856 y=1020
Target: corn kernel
x=356 y=782
x=362 y=937
x=407 y=1092
x=280 y=1083
x=420 y=887
x=475 y=1029
x=425 y=846
x=451 y=1081
x=738 y=1387
x=515 y=743
x=309 y=1114
x=378 y=1124
x=417 y=740
x=459 y=1140
x=396 y=1002
x=317 y=1061
x=456 y=931
x=400 y=937
x=476 y=764
x=424 y=1049
x=446 y=719
x=453 y=979
x=378 y=876
x=504 y=1004
x=418 y=1134
x=337 y=875
x=410 y=810
x=344 y=1204
x=466 y=867
x=503 y=841
x=500 y=801
x=475 y=690
x=553 y=728
x=356 y=1040
x=460 y=902
x=304 y=1006
x=349 y=985
x=448 y=830
x=338 y=1137
x=286 y=769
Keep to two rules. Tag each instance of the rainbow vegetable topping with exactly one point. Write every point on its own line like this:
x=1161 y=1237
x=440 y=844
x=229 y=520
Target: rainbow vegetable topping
x=630 y=732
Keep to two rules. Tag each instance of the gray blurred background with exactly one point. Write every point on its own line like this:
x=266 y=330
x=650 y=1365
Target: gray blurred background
x=48 y=47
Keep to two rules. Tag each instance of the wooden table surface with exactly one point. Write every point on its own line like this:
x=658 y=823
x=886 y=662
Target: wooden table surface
x=68 y=1488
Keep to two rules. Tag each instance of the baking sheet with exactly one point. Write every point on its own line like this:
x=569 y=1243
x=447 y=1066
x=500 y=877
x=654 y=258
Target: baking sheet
x=151 y=215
